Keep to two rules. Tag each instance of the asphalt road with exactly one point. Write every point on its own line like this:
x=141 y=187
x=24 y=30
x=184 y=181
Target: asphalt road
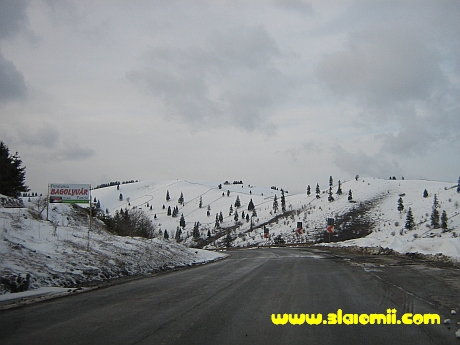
x=231 y=302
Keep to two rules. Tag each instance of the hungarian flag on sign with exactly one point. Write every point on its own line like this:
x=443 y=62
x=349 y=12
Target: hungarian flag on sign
x=330 y=229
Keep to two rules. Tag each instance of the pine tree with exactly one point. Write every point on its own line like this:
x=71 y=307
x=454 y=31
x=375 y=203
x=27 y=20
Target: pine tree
x=308 y=190
x=318 y=191
x=221 y=217
x=339 y=188
x=178 y=234
x=236 y=218
x=228 y=240
x=250 y=205
x=444 y=220
x=425 y=193
x=350 y=195
x=181 y=199
x=410 y=222
x=283 y=201
x=169 y=210
x=196 y=230
x=331 y=181
x=435 y=213
x=231 y=210
x=400 y=205
x=458 y=185
x=182 y=221
x=200 y=205
x=12 y=175
x=237 y=202
x=330 y=198
x=166 y=235
x=275 y=204
x=167 y=196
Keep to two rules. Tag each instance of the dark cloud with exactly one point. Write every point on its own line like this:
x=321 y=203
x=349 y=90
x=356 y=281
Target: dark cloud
x=13 y=17
x=363 y=164
x=72 y=151
x=229 y=81
x=383 y=66
x=12 y=83
x=303 y=7
x=401 y=66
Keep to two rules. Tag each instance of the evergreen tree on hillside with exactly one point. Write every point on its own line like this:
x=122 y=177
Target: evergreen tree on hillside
x=339 y=188
x=435 y=213
x=196 y=230
x=12 y=175
x=400 y=204
x=166 y=235
x=330 y=198
x=237 y=202
x=231 y=210
x=168 y=197
x=236 y=217
x=444 y=220
x=181 y=199
x=221 y=217
x=250 y=205
x=350 y=195
x=458 y=185
x=228 y=240
x=318 y=191
x=410 y=222
x=283 y=201
x=331 y=181
x=275 y=204
x=200 y=205
x=178 y=234
x=425 y=193
x=182 y=221
x=308 y=190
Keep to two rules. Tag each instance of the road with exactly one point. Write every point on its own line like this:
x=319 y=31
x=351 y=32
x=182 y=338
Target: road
x=231 y=302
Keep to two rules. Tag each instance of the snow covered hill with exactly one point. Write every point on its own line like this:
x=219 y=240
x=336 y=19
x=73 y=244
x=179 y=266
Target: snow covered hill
x=36 y=253
x=372 y=212
x=62 y=252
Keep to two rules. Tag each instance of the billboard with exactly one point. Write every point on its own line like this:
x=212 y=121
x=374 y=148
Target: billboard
x=69 y=193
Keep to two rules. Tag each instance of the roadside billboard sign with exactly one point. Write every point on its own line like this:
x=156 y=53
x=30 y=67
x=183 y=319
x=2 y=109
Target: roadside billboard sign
x=70 y=193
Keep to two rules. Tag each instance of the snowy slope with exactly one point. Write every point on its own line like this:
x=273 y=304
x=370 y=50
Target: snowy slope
x=375 y=200
x=34 y=253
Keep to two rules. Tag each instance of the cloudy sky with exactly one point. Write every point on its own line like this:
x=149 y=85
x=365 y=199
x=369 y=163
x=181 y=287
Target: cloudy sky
x=273 y=92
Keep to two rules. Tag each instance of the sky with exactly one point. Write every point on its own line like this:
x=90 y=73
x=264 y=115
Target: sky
x=274 y=93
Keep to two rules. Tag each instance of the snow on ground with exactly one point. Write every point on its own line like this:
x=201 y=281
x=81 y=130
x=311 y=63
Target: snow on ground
x=373 y=199
x=37 y=253
x=55 y=253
